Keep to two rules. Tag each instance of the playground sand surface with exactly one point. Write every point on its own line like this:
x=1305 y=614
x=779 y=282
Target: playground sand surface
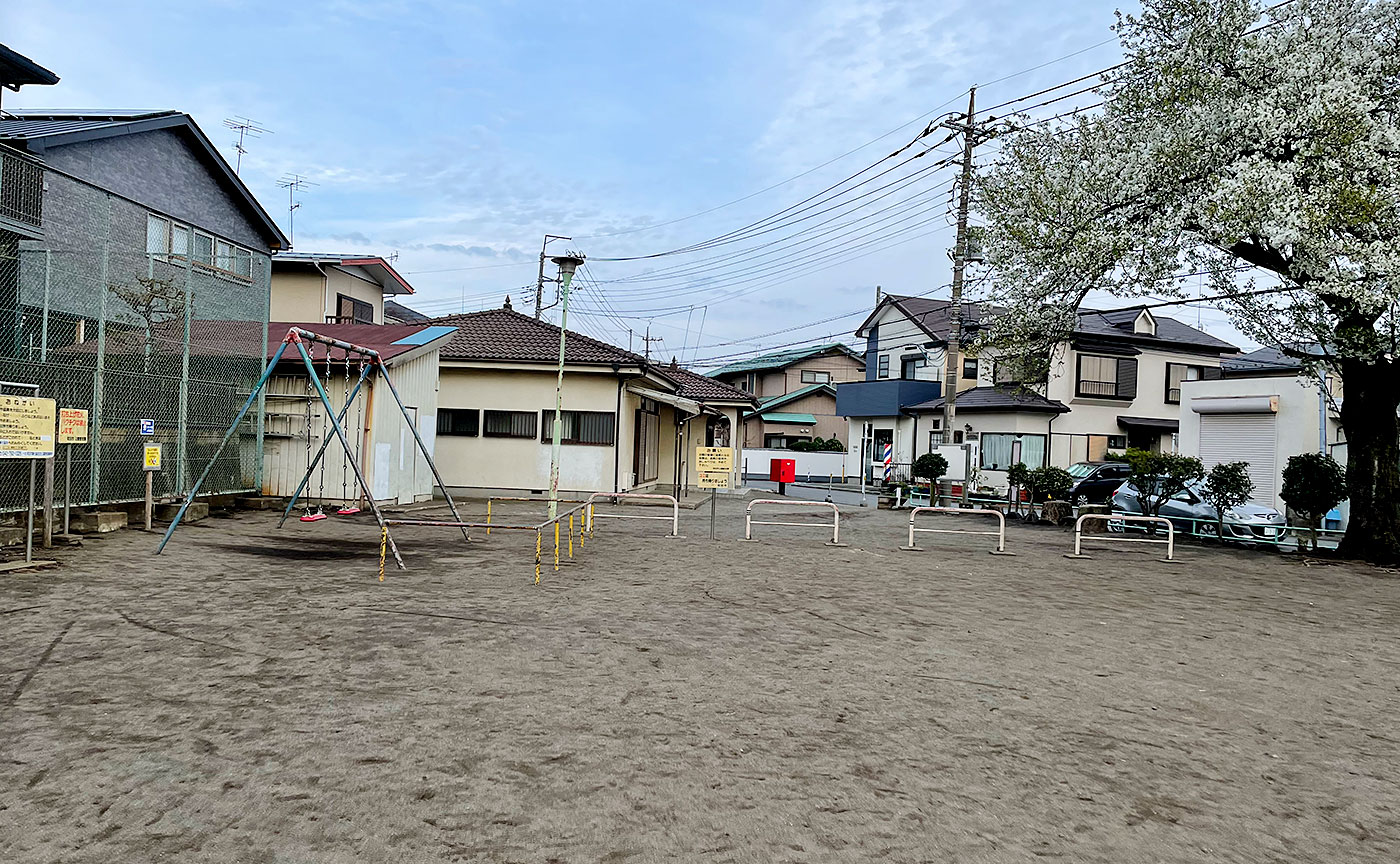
x=256 y=695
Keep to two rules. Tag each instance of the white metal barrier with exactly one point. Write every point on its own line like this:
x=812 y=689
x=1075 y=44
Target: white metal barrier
x=1000 y=533
x=674 y=518
x=749 y=521
x=1170 y=542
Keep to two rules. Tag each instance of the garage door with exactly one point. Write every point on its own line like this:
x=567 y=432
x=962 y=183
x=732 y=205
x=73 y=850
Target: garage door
x=1243 y=438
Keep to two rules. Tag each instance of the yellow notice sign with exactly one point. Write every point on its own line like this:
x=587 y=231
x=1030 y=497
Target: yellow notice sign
x=72 y=426
x=714 y=480
x=26 y=427
x=714 y=459
x=152 y=461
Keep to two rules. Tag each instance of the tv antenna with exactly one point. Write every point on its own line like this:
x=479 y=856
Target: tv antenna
x=245 y=128
x=293 y=183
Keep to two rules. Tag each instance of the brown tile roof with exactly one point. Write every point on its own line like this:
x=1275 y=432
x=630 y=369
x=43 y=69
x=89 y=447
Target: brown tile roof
x=504 y=334
x=703 y=388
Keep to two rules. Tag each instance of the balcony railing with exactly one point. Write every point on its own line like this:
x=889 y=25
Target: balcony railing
x=21 y=189
x=1098 y=388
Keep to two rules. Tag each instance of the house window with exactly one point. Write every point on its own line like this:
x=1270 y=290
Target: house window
x=1106 y=377
x=884 y=367
x=179 y=242
x=999 y=451
x=909 y=366
x=1117 y=442
x=459 y=421
x=782 y=441
x=349 y=310
x=157 y=236
x=970 y=368
x=748 y=382
x=811 y=376
x=1176 y=373
x=203 y=249
x=581 y=427
x=510 y=424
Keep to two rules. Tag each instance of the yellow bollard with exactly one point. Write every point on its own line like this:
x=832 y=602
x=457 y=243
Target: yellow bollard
x=488 y=517
x=556 y=545
x=537 y=557
x=571 y=536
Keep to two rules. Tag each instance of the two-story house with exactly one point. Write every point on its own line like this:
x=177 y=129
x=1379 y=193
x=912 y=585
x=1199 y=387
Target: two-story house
x=796 y=393
x=1116 y=383
x=134 y=271
x=334 y=289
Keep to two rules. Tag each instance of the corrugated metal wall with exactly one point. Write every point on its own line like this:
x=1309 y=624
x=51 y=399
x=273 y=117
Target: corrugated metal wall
x=393 y=467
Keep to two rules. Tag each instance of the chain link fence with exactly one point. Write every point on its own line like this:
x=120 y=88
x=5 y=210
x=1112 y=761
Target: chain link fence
x=100 y=323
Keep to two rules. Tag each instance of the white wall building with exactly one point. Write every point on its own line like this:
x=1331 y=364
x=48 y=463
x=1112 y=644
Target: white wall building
x=1115 y=384
x=1262 y=412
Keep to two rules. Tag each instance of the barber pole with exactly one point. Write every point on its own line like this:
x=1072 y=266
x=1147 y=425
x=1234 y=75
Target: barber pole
x=889 y=462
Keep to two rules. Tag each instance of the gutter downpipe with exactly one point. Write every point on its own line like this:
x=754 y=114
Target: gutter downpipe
x=617 y=439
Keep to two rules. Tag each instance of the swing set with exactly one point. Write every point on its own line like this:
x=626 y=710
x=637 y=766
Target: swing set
x=369 y=364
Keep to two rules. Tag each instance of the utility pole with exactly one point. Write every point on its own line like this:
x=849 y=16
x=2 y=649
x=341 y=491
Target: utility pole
x=952 y=358
x=567 y=265
x=646 y=342
x=539 y=283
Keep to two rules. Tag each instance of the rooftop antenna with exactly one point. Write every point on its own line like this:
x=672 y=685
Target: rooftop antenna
x=293 y=183
x=244 y=127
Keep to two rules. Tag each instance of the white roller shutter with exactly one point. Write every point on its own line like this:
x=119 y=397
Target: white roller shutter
x=1244 y=438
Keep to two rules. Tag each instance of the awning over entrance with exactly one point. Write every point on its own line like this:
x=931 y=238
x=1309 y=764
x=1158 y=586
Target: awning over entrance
x=1152 y=424
x=689 y=406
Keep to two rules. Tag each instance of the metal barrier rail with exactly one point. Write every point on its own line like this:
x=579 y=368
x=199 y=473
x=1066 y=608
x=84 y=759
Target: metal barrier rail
x=1205 y=529
x=520 y=498
x=1079 y=534
x=674 y=518
x=572 y=514
x=749 y=521
x=1000 y=533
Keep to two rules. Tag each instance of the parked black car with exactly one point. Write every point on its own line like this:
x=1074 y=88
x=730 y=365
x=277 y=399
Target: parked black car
x=1095 y=482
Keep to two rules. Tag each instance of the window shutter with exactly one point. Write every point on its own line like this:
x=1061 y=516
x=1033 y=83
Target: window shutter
x=1127 y=377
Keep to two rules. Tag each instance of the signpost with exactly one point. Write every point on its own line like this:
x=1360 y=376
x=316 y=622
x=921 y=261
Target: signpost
x=148 y=426
x=151 y=464
x=714 y=465
x=72 y=429
x=27 y=432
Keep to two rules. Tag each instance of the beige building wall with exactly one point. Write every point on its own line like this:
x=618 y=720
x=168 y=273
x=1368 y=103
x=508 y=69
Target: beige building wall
x=298 y=297
x=822 y=406
x=523 y=464
x=343 y=281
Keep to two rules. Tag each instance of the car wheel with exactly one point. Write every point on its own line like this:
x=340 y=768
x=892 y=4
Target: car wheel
x=1209 y=530
x=1081 y=500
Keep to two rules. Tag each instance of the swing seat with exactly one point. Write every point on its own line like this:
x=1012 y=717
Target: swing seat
x=347 y=511
x=313 y=517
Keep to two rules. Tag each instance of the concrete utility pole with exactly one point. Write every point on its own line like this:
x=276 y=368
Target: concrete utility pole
x=646 y=342
x=539 y=283
x=567 y=265
x=952 y=359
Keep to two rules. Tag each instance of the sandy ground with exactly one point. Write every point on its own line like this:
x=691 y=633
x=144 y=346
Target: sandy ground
x=258 y=696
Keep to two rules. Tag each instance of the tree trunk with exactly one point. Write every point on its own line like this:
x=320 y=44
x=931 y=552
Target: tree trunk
x=1370 y=399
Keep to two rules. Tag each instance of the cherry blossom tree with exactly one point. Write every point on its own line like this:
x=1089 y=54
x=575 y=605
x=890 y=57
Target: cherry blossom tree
x=1259 y=144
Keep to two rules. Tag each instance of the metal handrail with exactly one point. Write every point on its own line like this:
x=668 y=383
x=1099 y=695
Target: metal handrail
x=1079 y=534
x=749 y=521
x=521 y=498
x=591 y=503
x=1000 y=533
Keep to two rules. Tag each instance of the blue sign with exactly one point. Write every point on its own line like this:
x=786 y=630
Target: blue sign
x=148 y=427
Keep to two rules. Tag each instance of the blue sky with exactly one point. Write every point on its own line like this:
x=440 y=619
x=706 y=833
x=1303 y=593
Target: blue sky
x=457 y=134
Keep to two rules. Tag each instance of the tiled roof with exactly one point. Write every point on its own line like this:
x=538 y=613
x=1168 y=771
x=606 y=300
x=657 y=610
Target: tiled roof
x=997 y=399
x=780 y=359
x=1265 y=361
x=245 y=339
x=933 y=317
x=703 y=388
x=393 y=309
x=504 y=334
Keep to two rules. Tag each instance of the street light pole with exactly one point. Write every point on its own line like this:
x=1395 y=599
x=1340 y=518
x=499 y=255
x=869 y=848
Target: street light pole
x=567 y=265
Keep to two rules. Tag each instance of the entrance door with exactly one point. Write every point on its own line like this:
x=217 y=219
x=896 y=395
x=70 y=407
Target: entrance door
x=408 y=459
x=644 y=444
x=877 y=455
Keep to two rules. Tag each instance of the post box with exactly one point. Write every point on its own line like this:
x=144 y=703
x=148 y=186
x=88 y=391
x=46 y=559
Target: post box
x=783 y=470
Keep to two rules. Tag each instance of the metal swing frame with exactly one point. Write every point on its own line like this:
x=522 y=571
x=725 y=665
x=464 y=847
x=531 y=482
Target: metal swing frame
x=374 y=364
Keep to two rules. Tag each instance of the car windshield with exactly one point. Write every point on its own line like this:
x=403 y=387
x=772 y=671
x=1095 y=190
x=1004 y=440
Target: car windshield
x=1080 y=470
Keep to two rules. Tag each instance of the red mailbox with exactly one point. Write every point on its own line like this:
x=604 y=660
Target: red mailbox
x=782 y=470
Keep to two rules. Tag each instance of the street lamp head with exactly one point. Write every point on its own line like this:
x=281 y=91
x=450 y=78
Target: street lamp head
x=567 y=264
